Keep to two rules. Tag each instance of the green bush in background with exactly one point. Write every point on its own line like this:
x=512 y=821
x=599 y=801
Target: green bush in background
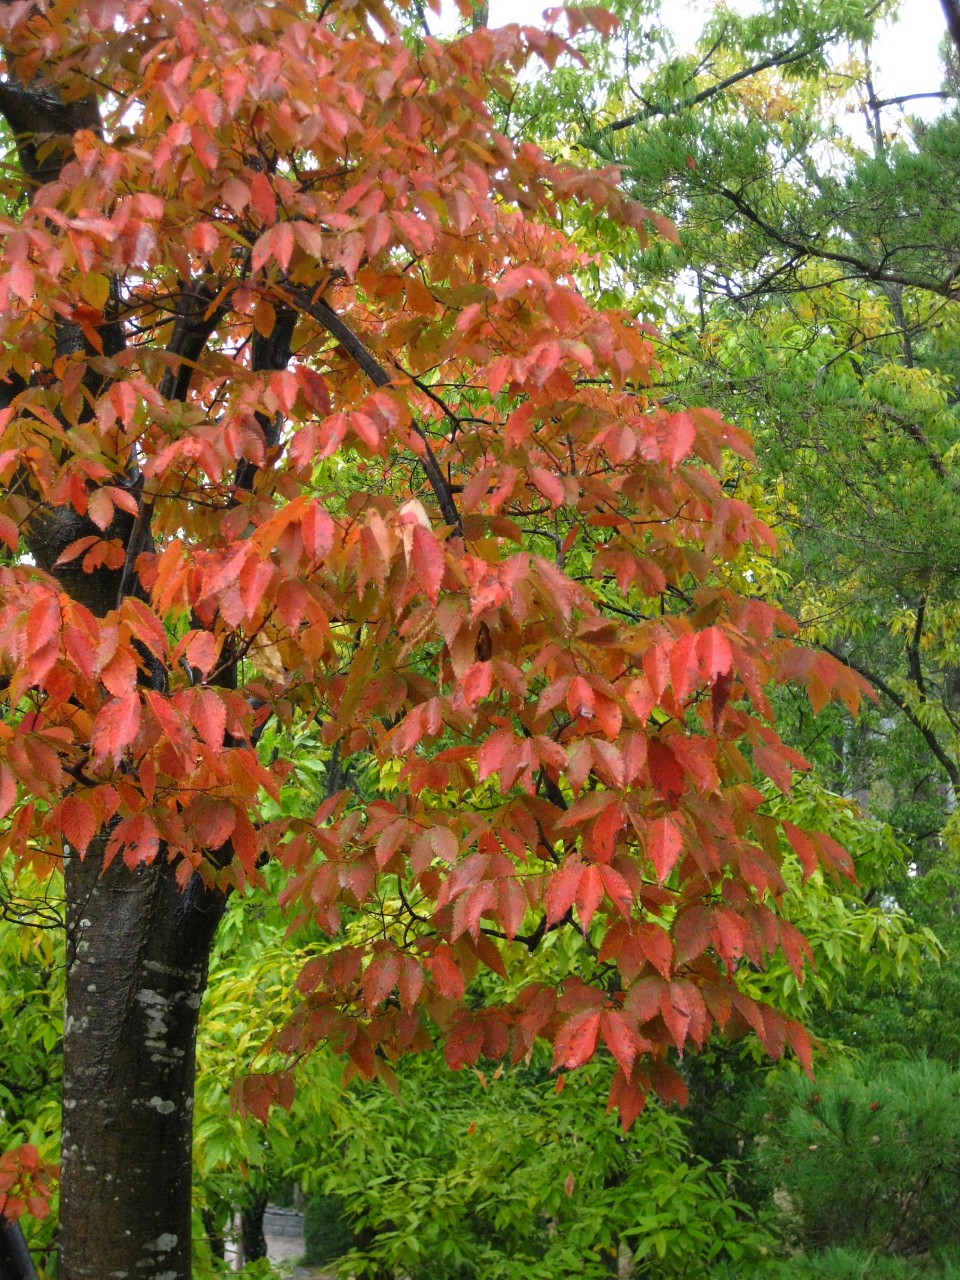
x=509 y=1178
x=327 y=1234
x=869 y=1158
x=847 y=1264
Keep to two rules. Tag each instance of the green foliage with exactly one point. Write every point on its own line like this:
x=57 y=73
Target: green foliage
x=847 y=1264
x=31 y=1029
x=327 y=1234
x=868 y=1157
x=507 y=1178
x=856 y=931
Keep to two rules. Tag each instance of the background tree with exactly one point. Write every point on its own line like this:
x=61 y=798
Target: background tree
x=812 y=297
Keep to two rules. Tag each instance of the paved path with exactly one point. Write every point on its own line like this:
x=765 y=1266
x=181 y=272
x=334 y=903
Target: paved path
x=282 y=1248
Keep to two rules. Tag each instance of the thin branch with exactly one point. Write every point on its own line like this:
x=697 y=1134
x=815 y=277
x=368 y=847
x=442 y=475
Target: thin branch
x=949 y=766
x=910 y=97
x=913 y=650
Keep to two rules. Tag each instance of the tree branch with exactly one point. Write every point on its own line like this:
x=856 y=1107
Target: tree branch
x=378 y=375
x=951 y=11
x=867 y=269
x=949 y=766
x=910 y=97
x=191 y=333
x=782 y=59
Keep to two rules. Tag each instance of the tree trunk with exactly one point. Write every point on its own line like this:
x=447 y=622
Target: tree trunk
x=251 y=1228
x=137 y=958
x=215 y=1233
x=15 y=1260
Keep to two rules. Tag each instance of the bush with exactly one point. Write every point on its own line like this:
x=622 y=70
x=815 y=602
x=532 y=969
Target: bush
x=846 y=1264
x=870 y=1159
x=508 y=1179
x=326 y=1235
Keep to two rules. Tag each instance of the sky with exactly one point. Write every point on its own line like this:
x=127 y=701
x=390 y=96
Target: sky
x=905 y=53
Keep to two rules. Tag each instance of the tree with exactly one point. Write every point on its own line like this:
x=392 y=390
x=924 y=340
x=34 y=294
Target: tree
x=298 y=390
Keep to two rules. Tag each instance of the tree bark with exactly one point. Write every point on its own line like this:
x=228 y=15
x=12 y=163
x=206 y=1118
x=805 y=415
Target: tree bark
x=137 y=958
x=251 y=1228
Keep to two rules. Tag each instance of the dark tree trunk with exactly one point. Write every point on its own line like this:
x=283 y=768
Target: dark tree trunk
x=15 y=1260
x=611 y=1261
x=251 y=1229
x=136 y=968
x=215 y=1230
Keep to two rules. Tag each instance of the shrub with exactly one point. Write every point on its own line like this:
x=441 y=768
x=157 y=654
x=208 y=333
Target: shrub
x=870 y=1159
x=327 y=1236
x=845 y=1264
x=509 y=1179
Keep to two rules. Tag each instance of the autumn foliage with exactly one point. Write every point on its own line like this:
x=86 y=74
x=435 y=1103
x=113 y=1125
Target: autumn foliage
x=26 y=1183
x=294 y=350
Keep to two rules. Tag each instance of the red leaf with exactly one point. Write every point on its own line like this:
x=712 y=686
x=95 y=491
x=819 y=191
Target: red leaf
x=512 y=907
x=77 y=821
x=8 y=790
x=212 y=821
x=580 y=699
x=262 y=197
x=772 y=763
x=804 y=848
x=429 y=561
x=9 y=532
x=577 y=1040
x=801 y=1044
x=714 y=655
x=100 y=508
x=446 y=973
x=314 y=388
x=619 y=1039
x=549 y=485
x=256 y=1093
x=664 y=846
x=477 y=683
x=210 y=716
x=627 y=1095
x=669 y=437
x=656 y=946
x=410 y=982
x=665 y=770
x=200 y=648
x=833 y=856
x=669 y=1083
x=380 y=978
x=562 y=890
x=618 y=891
x=719 y=697
x=609 y=715
x=115 y=727
x=684 y=668
x=589 y=894
x=43 y=622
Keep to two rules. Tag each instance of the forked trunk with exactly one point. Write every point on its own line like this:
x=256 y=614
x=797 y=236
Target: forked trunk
x=137 y=958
